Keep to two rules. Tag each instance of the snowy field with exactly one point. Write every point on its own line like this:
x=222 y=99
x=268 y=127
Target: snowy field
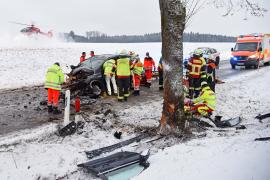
x=229 y=155
x=224 y=157
x=24 y=62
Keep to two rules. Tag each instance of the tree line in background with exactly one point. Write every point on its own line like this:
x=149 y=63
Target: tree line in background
x=98 y=37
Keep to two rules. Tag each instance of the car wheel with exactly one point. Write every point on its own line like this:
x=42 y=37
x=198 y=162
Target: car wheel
x=233 y=66
x=257 y=65
x=267 y=63
x=96 y=89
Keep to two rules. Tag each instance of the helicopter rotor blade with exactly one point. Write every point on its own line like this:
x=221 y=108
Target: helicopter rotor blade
x=19 y=23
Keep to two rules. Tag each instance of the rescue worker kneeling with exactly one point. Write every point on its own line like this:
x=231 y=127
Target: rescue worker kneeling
x=54 y=79
x=205 y=104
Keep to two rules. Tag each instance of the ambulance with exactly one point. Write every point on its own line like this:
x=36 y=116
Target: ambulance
x=251 y=50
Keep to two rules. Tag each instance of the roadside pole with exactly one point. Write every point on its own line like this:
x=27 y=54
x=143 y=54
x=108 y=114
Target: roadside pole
x=67 y=107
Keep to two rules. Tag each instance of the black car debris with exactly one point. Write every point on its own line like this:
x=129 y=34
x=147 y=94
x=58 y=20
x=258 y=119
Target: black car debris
x=87 y=79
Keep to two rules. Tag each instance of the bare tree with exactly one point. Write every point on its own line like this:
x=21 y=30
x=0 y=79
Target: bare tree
x=174 y=16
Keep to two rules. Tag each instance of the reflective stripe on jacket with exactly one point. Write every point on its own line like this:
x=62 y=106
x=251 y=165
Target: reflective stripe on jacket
x=207 y=97
x=137 y=68
x=123 y=67
x=211 y=71
x=54 y=77
x=196 y=68
x=109 y=67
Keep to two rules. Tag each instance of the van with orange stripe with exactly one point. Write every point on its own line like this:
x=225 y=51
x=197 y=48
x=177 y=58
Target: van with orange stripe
x=251 y=50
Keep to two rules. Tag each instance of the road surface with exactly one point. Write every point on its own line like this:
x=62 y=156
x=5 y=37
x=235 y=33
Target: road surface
x=21 y=109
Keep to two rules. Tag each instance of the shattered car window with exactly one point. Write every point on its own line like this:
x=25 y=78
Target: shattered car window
x=97 y=63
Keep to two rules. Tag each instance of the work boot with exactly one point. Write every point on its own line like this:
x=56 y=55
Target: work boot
x=120 y=100
x=56 y=110
x=135 y=93
x=160 y=88
x=50 y=109
x=125 y=99
x=138 y=92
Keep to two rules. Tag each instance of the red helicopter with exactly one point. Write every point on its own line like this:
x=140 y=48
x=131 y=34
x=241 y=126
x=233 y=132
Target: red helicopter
x=33 y=30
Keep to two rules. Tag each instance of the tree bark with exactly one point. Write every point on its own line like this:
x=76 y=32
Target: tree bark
x=173 y=13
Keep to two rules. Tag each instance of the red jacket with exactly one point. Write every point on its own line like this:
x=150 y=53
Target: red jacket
x=82 y=58
x=148 y=63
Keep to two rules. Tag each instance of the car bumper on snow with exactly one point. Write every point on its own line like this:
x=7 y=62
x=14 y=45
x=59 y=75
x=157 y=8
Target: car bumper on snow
x=243 y=62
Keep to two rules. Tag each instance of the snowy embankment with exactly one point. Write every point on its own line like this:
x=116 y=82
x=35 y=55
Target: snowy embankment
x=39 y=153
x=25 y=63
x=220 y=155
x=234 y=156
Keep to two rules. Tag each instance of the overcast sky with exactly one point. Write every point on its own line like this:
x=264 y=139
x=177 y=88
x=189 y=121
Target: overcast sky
x=119 y=17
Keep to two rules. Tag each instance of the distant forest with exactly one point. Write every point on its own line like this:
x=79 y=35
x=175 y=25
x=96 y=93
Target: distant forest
x=98 y=37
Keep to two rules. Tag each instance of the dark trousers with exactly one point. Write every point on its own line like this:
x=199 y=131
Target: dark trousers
x=211 y=83
x=123 y=87
x=160 y=79
x=194 y=87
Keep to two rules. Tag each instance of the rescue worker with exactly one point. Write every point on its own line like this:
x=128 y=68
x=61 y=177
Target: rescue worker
x=160 y=74
x=211 y=72
x=196 y=73
x=92 y=53
x=205 y=104
x=82 y=58
x=109 y=68
x=123 y=75
x=137 y=69
x=133 y=55
x=148 y=65
x=54 y=79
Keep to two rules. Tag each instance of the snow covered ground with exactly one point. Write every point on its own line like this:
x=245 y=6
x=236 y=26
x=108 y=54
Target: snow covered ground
x=40 y=154
x=218 y=156
x=25 y=61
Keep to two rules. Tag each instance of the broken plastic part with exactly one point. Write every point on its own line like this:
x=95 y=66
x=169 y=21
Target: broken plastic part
x=120 y=166
x=97 y=152
x=68 y=129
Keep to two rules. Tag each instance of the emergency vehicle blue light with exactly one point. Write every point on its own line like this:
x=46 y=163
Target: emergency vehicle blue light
x=235 y=58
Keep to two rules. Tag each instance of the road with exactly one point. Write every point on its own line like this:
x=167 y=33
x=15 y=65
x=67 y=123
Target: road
x=225 y=71
x=21 y=109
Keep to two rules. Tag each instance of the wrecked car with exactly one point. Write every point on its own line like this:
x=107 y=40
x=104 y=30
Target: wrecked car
x=87 y=77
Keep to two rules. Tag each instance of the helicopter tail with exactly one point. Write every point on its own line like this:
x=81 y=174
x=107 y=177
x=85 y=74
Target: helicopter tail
x=50 y=34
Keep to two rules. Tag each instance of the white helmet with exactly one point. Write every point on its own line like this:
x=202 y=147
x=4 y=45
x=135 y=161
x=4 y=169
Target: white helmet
x=123 y=52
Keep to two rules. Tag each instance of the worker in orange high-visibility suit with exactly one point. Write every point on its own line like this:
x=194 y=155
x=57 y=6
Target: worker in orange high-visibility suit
x=54 y=79
x=148 y=65
x=82 y=58
x=137 y=69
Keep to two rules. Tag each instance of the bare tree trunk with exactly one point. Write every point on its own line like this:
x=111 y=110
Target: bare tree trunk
x=173 y=13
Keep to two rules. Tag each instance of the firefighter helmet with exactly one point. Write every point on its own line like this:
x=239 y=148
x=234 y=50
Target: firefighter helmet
x=123 y=52
x=198 y=52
